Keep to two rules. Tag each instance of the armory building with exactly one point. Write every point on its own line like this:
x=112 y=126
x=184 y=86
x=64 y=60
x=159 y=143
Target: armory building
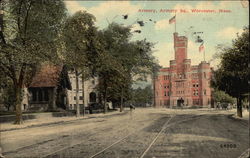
x=183 y=84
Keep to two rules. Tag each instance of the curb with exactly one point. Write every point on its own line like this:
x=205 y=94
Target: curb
x=64 y=122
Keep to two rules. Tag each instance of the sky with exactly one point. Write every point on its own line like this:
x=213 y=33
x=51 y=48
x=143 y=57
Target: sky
x=217 y=27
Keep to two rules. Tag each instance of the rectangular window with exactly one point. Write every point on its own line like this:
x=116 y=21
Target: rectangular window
x=74 y=97
x=80 y=98
x=165 y=102
x=34 y=98
x=46 y=95
x=40 y=95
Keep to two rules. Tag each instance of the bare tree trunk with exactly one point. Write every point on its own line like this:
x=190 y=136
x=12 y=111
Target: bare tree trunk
x=105 y=99
x=239 y=106
x=54 y=97
x=121 y=105
x=18 y=85
x=154 y=99
x=19 y=119
x=77 y=94
x=83 y=102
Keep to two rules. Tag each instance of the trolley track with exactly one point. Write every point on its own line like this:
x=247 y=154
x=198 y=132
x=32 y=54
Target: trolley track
x=57 y=152
x=151 y=142
x=61 y=142
x=140 y=141
x=131 y=136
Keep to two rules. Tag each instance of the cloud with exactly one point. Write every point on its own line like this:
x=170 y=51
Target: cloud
x=193 y=53
x=229 y=33
x=113 y=8
x=135 y=27
x=73 y=6
x=164 y=53
x=106 y=9
x=181 y=6
x=162 y=24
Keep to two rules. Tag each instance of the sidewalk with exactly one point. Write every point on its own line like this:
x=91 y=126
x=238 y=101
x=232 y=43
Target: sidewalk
x=245 y=115
x=45 y=119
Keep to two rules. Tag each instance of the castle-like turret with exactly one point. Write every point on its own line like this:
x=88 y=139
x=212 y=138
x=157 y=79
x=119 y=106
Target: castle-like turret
x=183 y=84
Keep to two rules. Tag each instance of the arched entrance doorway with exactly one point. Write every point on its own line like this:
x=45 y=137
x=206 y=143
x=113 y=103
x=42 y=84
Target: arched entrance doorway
x=180 y=102
x=92 y=97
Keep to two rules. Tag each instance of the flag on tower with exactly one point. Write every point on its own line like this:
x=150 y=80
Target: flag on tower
x=201 y=48
x=172 y=20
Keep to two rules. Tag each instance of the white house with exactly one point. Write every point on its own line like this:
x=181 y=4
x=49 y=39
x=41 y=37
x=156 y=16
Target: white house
x=90 y=93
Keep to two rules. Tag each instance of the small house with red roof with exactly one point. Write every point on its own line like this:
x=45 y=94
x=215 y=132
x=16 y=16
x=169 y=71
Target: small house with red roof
x=48 y=89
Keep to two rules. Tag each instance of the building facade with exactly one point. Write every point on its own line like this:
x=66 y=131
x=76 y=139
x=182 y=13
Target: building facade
x=90 y=92
x=48 y=89
x=183 y=84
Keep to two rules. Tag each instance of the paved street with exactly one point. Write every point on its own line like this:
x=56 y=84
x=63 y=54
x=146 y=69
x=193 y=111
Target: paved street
x=149 y=133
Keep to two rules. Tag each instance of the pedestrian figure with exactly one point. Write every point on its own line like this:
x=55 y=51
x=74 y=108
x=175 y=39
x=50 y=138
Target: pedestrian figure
x=131 y=107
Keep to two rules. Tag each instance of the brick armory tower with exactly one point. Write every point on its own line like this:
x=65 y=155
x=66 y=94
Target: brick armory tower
x=182 y=84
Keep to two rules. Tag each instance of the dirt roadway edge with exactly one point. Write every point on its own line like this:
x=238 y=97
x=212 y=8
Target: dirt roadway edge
x=65 y=122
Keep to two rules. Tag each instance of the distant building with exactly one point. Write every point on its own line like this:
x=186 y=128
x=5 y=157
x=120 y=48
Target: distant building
x=90 y=92
x=182 y=84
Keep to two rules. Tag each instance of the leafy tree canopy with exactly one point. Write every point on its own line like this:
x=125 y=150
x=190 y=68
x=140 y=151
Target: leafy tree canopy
x=222 y=97
x=233 y=72
x=29 y=38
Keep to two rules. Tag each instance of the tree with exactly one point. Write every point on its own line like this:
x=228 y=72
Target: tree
x=7 y=94
x=127 y=59
x=79 y=38
x=29 y=37
x=8 y=97
x=110 y=77
x=222 y=97
x=233 y=74
x=142 y=96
